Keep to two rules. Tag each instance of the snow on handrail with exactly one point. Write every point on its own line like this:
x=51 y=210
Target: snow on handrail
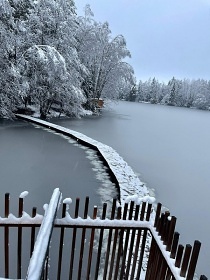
x=41 y=246
x=25 y=219
x=99 y=223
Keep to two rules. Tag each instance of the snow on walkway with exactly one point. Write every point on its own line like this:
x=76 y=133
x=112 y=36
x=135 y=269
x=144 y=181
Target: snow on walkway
x=129 y=183
x=131 y=188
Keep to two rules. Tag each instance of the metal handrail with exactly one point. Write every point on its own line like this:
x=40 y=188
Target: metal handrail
x=37 y=261
x=128 y=230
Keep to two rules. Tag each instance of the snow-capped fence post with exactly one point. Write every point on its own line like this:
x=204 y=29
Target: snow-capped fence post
x=32 y=232
x=120 y=244
x=170 y=233
x=100 y=242
x=138 y=239
x=6 y=237
x=76 y=213
x=109 y=239
x=91 y=244
x=145 y=231
x=83 y=239
x=125 y=247
x=129 y=261
x=114 y=245
x=61 y=243
x=19 y=246
x=158 y=211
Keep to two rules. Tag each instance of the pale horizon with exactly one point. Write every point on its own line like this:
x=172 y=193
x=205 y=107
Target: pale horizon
x=165 y=38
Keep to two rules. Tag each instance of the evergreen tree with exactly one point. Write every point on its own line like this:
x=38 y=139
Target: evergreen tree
x=140 y=92
x=154 y=91
x=132 y=94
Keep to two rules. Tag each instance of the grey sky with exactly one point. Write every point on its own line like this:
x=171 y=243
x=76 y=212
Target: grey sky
x=166 y=38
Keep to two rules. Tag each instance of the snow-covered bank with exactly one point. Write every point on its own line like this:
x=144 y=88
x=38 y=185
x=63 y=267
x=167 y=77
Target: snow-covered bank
x=128 y=182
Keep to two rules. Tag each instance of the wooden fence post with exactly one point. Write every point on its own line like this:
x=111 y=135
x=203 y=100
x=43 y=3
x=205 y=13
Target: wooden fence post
x=6 y=237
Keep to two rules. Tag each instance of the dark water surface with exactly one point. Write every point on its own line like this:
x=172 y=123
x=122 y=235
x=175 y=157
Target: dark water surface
x=170 y=149
x=35 y=160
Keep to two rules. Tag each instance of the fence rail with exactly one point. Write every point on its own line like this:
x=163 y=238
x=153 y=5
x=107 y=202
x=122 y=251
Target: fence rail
x=128 y=242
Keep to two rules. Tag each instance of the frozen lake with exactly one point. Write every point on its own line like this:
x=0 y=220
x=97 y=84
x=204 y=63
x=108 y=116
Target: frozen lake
x=168 y=147
x=38 y=161
x=170 y=150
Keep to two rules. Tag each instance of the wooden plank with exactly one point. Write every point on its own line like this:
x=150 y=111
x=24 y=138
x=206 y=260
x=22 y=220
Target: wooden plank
x=33 y=229
x=109 y=240
x=138 y=238
x=145 y=231
x=91 y=245
x=163 y=269
x=127 y=237
x=19 y=245
x=83 y=240
x=120 y=247
x=71 y=267
x=179 y=255
x=6 y=237
x=164 y=232
x=61 y=244
x=193 y=260
x=174 y=245
x=100 y=242
x=157 y=216
x=186 y=258
x=171 y=233
x=131 y=247
x=114 y=244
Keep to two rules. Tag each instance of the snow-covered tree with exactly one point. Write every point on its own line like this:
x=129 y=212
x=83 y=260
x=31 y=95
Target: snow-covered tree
x=54 y=23
x=45 y=76
x=172 y=84
x=10 y=95
x=186 y=94
x=183 y=93
x=140 y=92
x=172 y=95
x=48 y=54
x=147 y=90
x=200 y=102
x=103 y=57
x=201 y=94
x=132 y=95
x=154 y=91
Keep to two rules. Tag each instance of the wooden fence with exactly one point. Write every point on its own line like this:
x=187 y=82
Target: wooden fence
x=128 y=242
